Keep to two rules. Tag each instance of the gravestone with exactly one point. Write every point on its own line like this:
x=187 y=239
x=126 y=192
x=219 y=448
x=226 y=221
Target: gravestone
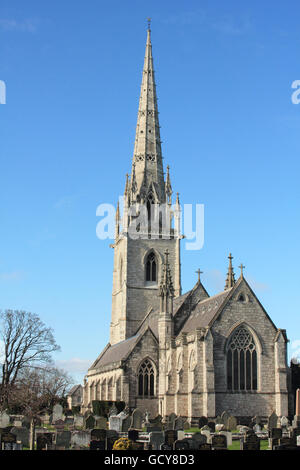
x=57 y=413
x=126 y=423
x=284 y=422
x=43 y=440
x=100 y=422
x=219 y=441
x=90 y=422
x=80 y=438
x=133 y=435
x=157 y=421
x=205 y=447
x=257 y=428
x=136 y=419
x=228 y=435
x=181 y=445
x=224 y=417
x=98 y=435
x=272 y=421
x=4 y=419
x=63 y=439
x=202 y=422
x=170 y=436
x=171 y=421
x=7 y=440
x=179 y=423
x=22 y=435
x=250 y=442
x=156 y=439
x=78 y=421
x=111 y=437
x=97 y=445
x=59 y=425
x=231 y=423
x=199 y=439
x=218 y=420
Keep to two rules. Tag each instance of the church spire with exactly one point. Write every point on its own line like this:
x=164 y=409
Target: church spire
x=147 y=156
x=230 y=280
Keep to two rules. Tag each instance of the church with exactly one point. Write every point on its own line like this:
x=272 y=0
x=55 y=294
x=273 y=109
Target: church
x=169 y=352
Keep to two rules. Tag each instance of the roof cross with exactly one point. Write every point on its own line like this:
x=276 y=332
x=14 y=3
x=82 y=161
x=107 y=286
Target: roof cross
x=199 y=272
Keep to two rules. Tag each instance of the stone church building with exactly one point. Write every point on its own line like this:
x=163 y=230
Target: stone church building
x=190 y=353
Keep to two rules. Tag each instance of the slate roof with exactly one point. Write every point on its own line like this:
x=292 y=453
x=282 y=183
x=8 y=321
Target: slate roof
x=205 y=311
x=119 y=351
x=116 y=352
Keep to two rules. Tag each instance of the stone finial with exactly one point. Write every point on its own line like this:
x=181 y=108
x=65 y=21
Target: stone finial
x=168 y=186
x=230 y=280
x=242 y=267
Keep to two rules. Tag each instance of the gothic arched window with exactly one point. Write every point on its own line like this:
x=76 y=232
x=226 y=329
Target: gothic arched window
x=241 y=361
x=146 y=379
x=151 y=268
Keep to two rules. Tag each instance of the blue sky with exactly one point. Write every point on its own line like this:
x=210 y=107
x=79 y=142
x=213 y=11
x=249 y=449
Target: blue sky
x=230 y=134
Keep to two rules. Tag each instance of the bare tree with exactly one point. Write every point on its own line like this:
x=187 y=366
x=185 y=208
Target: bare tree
x=27 y=342
x=37 y=389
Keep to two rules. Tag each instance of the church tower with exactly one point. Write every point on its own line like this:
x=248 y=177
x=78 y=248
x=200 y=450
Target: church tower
x=145 y=230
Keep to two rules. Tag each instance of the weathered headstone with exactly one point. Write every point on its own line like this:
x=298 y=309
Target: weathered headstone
x=57 y=413
x=182 y=445
x=170 y=436
x=100 y=422
x=44 y=440
x=22 y=435
x=4 y=419
x=156 y=439
x=97 y=445
x=111 y=437
x=250 y=442
x=98 y=435
x=179 y=423
x=272 y=421
x=63 y=439
x=224 y=417
x=219 y=441
x=231 y=423
x=80 y=438
x=171 y=421
x=59 y=424
x=136 y=419
x=90 y=422
x=78 y=421
x=199 y=439
x=284 y=422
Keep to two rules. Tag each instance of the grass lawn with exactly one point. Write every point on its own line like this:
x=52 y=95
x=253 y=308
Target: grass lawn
x=236 y=445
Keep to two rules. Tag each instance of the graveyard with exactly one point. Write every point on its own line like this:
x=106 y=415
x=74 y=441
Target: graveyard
x=110 y=426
